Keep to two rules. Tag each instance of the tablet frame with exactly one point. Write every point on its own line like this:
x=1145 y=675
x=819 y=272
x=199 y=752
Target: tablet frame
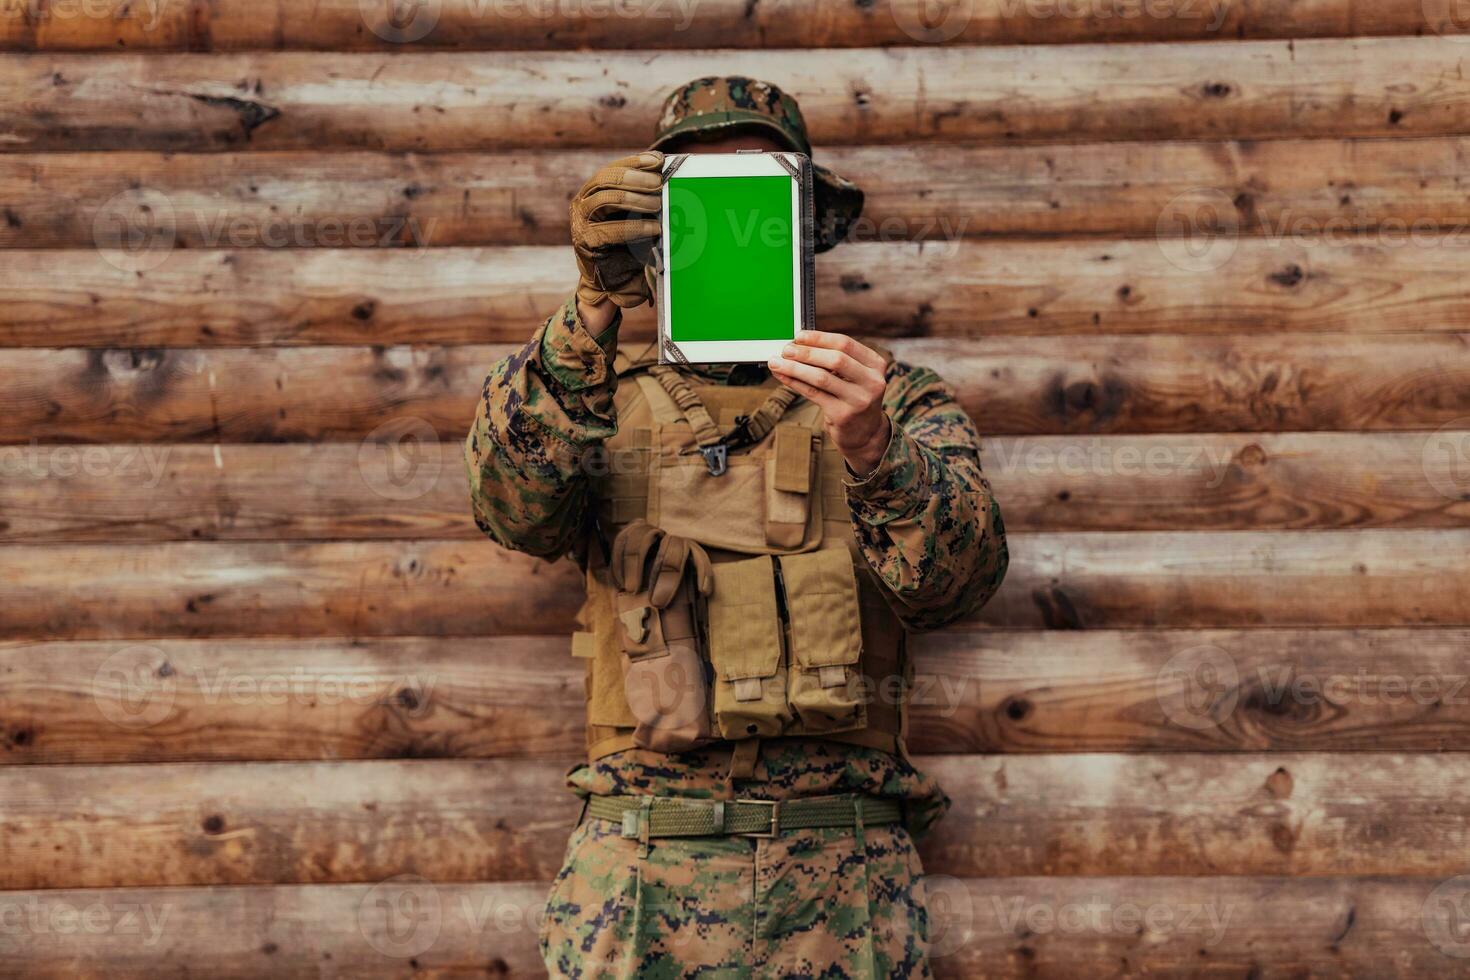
x=742 y=163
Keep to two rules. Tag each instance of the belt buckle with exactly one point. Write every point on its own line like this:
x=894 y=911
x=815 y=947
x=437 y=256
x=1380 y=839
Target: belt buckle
x=773 y=828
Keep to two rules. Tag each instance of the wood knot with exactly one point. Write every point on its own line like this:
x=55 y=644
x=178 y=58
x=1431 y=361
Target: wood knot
x=1280 y=784
x=1251 y=456
x=1289 y=277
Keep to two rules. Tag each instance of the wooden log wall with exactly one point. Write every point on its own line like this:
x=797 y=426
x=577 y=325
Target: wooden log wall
x=270 y=705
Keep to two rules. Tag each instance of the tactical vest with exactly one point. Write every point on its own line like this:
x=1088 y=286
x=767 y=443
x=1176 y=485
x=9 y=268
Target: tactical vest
x=727 y=600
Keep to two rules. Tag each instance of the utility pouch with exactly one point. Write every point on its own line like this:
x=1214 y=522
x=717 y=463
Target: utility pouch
x=826 y=683
x=660 y=578
x=789 y=484
x=745 y=649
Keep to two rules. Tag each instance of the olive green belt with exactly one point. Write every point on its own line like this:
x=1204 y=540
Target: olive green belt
x=669 y=816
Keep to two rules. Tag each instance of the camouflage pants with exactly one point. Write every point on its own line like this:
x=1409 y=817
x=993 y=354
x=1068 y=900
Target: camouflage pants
x=810 y=903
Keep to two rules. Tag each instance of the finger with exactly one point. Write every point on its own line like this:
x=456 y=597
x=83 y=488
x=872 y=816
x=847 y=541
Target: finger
x=621 y=178
x=821 y=379
x=600 y=234
x=817 y=396
x=843 y=365
x=842 y=342
x=604 y=201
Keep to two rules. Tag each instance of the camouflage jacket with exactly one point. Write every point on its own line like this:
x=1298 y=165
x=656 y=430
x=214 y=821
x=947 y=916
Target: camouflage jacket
x=925 y=519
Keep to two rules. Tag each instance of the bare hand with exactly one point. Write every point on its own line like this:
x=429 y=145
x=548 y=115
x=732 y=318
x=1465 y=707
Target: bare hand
x=847 y=380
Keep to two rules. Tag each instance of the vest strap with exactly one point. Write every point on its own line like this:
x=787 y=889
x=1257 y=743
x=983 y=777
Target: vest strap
x=715 y=447
x=743 y=758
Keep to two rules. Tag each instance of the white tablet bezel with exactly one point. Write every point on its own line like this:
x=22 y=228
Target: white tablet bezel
x=733 y=165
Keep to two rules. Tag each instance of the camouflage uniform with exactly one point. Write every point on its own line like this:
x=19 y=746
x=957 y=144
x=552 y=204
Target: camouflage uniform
x=808 y=903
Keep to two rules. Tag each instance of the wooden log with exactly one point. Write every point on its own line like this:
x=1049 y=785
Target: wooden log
x=1369 y=578
x=415 y=487
x=1196 y=690
x=346 y=25
x=342 y=588
x=1215 y=383
x=263 y=699
x=969 y=288
x=439 y=102
x=260 y=823
x=1048 y=928
x=1093 y=815
x=1405 y=194
x=1273 y=928
x=1231 y=482
x=1400 y=690
x=1236 y=578
x=1282 y=813
x=403 y=927
x=1010 y=385
x=404 y=489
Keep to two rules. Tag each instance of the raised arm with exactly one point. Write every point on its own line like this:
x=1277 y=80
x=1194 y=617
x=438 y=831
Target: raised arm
x=546 y=406
x=923 y=512
x=541 y=411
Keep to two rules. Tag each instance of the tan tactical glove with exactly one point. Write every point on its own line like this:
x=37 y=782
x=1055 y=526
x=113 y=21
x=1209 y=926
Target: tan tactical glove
x=610 y=238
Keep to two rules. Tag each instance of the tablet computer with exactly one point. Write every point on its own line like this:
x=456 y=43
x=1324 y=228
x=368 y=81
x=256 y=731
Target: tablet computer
x=735 y=266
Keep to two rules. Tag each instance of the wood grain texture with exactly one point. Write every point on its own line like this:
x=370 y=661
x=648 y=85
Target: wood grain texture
x=340 y=588
x=285 y=823
x=1094 y=815
x=411 y=484
x=1368 y=578
x=433 y=101
x=1006 y=928
x=1236 y=578
x=302 y=932
x=1010 y=385
x=145 y=701
x=338 y=25
x=965 y=288
x=1406 y=194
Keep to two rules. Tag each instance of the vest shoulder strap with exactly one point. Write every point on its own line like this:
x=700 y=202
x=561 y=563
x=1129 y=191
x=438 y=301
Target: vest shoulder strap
x=756 y=426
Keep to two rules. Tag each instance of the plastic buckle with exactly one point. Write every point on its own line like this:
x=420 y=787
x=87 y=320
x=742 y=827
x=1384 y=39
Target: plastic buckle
x=773 y=828
x=716 y=457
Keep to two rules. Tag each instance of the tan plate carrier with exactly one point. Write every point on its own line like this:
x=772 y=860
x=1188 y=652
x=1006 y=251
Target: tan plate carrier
x=729 y=602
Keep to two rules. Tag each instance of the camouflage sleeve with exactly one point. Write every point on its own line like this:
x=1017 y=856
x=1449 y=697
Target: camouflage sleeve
x=925 y=518
x=543 y=408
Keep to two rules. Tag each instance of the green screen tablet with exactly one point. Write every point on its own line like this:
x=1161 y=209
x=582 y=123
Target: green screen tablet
x=734 y=284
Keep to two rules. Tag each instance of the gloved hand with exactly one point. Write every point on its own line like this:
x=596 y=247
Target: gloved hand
x=611 y=245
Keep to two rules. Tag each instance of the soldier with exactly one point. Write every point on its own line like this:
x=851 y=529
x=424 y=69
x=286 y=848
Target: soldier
x=750 y=807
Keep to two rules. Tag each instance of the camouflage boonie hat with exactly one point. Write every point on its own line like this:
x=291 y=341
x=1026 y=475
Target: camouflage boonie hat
x=713 y=105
